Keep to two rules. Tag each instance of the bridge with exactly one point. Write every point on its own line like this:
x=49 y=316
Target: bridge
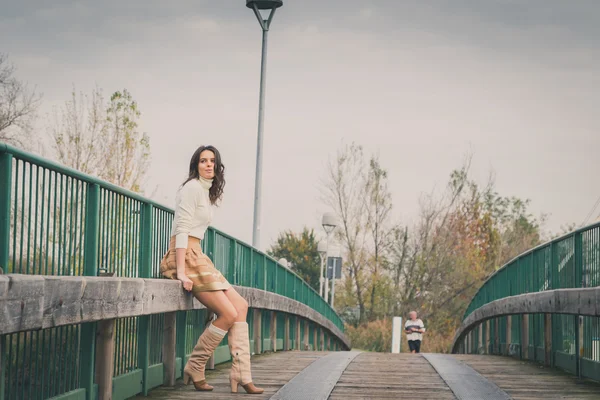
x=85 y=315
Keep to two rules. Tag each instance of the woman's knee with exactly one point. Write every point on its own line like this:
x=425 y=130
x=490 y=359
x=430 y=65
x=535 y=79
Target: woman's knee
x=229 y=316
x=241 y=306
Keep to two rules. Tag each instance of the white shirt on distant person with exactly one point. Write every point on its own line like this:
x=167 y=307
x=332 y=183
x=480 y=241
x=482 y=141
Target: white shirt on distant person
x=417 y=324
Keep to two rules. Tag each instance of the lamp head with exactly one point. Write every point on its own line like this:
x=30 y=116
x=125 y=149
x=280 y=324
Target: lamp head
x=264 y=4
x=329 y=222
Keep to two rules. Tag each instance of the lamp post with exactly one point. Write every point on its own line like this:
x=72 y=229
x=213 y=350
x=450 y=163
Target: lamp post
x=333 y=281
x=257 y=6
x=329 y=223
x=322 y=249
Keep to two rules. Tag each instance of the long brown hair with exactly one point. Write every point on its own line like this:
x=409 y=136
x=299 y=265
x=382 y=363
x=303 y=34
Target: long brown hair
x=216 y=190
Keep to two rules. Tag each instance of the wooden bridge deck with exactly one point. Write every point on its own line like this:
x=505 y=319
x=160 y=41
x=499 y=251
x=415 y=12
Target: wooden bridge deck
x=394 y=376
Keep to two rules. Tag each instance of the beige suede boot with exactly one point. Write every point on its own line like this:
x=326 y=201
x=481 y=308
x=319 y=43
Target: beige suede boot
x=239 y=345
x=194 y=369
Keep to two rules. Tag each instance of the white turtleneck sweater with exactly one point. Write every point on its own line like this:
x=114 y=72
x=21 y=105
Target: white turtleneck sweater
x=193 y=212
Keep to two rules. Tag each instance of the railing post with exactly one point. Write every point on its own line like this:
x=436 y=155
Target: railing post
x=257 y=315
x=3 y=353
x=180 y=332
x=480 y=339
x=286 y=337
x=578 y=341
x=5 y=183
x=548 y=340
x=580 y=281
x=306 y=338
x=496 y=349
x=487 y=336
x=322 y=339
x=210 y=317
x=105 y=354
x=525 y=336
x=145 y=271
x=471 y=339
x=508 y=334
x=90 y=268
x=168 y=348
x=298 y=343
x=264 y=266
x=274 y=331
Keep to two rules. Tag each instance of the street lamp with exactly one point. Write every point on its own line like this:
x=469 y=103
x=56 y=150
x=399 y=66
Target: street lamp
x=257 y=6
x=329 y=223
x=322 y=249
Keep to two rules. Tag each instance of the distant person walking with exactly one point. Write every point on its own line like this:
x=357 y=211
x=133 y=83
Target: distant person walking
x=414 y=329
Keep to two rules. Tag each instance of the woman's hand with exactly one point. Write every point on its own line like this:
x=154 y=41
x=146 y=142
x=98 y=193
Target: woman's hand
x=180 y=260
x=187 y=283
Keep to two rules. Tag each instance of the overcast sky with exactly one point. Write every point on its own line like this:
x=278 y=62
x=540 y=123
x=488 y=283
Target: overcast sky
x=515 y=82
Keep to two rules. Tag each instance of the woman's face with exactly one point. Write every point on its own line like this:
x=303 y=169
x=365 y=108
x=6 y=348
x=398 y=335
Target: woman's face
x=206 y=166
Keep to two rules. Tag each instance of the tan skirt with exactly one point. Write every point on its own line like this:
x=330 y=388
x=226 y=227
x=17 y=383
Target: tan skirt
x=198 y=267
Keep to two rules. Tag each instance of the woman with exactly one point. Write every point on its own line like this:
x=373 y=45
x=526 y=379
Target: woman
x=185 y=261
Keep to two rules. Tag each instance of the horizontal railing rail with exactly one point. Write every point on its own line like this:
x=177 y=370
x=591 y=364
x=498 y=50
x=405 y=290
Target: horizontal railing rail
x=572 y=260
x=56 y=221
x=33 y=302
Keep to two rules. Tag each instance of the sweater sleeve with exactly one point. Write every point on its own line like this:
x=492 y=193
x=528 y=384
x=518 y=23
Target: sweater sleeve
x=189 y=199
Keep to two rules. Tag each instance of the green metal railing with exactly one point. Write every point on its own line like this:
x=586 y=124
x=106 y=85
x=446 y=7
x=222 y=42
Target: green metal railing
x=58 y=221
x=571 y=261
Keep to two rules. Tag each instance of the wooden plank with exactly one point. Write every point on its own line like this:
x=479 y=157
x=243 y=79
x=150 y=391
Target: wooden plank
x=525 y=380
x=269 y=371
x=390 y=376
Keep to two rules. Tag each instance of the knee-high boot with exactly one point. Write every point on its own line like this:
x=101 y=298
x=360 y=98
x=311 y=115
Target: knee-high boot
x=194 y=369
x=239 y=345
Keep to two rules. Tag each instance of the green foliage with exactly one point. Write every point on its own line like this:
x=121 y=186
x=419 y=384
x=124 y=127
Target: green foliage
x=301 y=251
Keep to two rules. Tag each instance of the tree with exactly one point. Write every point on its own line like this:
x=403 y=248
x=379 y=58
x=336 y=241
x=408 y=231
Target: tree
x=127 y=151
x=102 y=141
x=378 y=209
x=301 y=251
x=78 y=132
x=344 y=192
x=18 y=105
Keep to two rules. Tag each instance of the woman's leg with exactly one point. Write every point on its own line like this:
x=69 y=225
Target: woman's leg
x=239 y=345
x=218 y=302
x=240 y=304
x=210 y=338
